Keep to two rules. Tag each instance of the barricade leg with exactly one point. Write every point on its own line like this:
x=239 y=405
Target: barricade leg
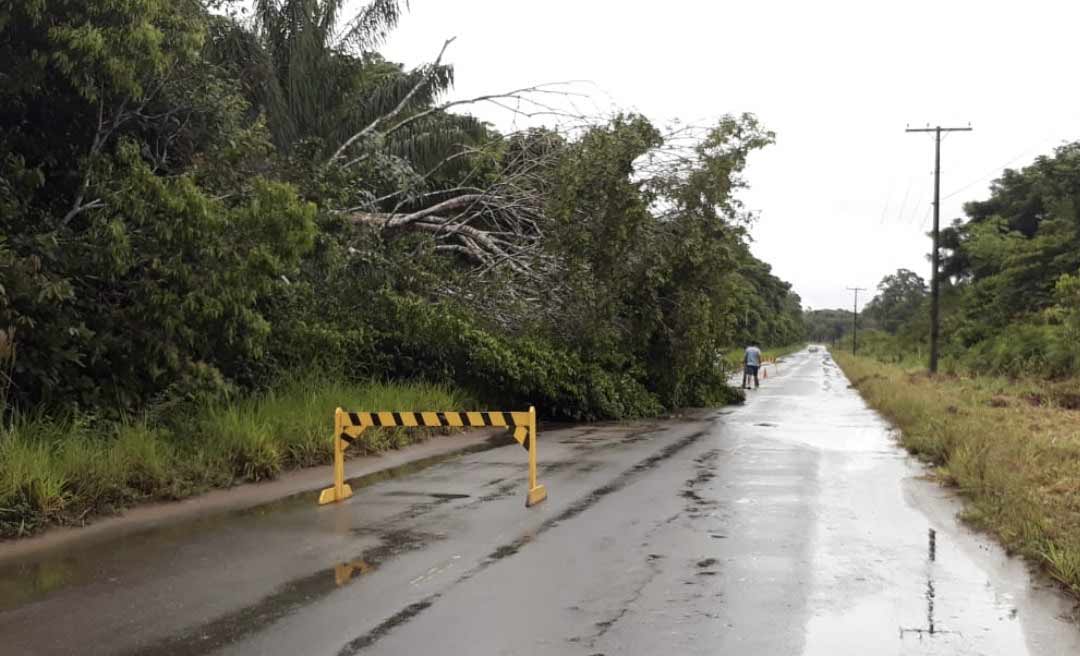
x=537 y=493
x=349 y=426
x=341 y=489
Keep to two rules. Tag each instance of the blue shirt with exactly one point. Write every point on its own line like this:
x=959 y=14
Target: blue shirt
x=753 y=356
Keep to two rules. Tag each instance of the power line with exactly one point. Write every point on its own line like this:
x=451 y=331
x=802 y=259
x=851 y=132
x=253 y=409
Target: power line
x=935 y=254
x=903 y=203
x=914 y=218
x=918 y=218
x=885 y=209
x=998 y=168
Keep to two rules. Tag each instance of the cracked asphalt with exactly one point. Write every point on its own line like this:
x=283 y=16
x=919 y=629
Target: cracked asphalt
x=788 y=525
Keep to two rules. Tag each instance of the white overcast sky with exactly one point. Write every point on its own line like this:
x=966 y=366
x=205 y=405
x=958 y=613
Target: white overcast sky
x=844 y=195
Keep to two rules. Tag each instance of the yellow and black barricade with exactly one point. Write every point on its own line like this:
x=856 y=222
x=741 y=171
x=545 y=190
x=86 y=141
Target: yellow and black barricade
x=348 y=427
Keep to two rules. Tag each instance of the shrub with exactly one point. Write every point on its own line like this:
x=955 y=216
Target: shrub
x=434 y=342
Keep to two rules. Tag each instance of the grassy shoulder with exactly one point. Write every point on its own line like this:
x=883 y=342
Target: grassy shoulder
x=65 y=471
x=1012 y=448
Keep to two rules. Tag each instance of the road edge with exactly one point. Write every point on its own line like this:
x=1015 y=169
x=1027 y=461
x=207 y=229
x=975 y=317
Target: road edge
x=303 y=481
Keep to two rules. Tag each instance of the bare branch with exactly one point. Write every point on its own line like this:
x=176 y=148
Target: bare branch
x=429 y=194
x=515 y=94
x=390 y=221
x=394 y=112
x=101 y=137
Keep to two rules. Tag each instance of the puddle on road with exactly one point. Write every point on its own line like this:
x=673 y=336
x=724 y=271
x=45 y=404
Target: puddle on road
x=345 y=572
x=26 y=580
x=509 y=549
x=304 y=591
x=407 y=469
x=391 y=545
x=443 y=496
x=882 y=579
x=931 y=628
x=951 y=607
x=291 y=596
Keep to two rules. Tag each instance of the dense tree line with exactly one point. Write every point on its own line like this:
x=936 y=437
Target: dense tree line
x=828 y=326
x=195 y=202
x=1011 y=275
x=1013 y=264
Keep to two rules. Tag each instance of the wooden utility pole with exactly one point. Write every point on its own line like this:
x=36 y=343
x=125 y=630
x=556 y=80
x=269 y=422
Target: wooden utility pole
x=935 y=256
x=855 y=320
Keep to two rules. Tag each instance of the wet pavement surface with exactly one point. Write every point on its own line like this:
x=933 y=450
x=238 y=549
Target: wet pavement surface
x=790 y=525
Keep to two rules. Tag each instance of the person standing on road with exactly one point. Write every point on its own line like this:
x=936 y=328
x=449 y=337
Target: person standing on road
x=751 y=362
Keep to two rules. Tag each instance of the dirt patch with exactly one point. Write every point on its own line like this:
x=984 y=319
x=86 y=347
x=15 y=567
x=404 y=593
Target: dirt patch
x=1068 y=400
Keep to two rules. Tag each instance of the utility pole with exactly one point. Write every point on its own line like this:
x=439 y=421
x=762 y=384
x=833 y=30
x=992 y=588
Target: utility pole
x=935 y=256
x=855 y=319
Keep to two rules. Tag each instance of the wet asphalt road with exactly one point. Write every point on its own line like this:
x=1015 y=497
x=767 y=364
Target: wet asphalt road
x=789 y=525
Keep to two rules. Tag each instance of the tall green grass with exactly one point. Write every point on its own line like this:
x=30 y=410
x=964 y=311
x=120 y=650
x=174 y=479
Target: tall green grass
x=64 y=470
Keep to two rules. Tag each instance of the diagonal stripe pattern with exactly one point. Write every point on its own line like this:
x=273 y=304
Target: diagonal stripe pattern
x=361 y=420
x=349 y=426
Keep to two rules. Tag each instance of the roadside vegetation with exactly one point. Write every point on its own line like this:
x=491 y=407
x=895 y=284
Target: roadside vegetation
x=200 y=199
x=65 y=469
x=1010 y=446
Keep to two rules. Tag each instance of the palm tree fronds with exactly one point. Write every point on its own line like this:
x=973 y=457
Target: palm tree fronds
x=370 y=27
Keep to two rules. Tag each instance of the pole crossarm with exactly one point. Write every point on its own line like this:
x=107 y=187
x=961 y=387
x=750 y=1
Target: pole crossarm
x=936 y=129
